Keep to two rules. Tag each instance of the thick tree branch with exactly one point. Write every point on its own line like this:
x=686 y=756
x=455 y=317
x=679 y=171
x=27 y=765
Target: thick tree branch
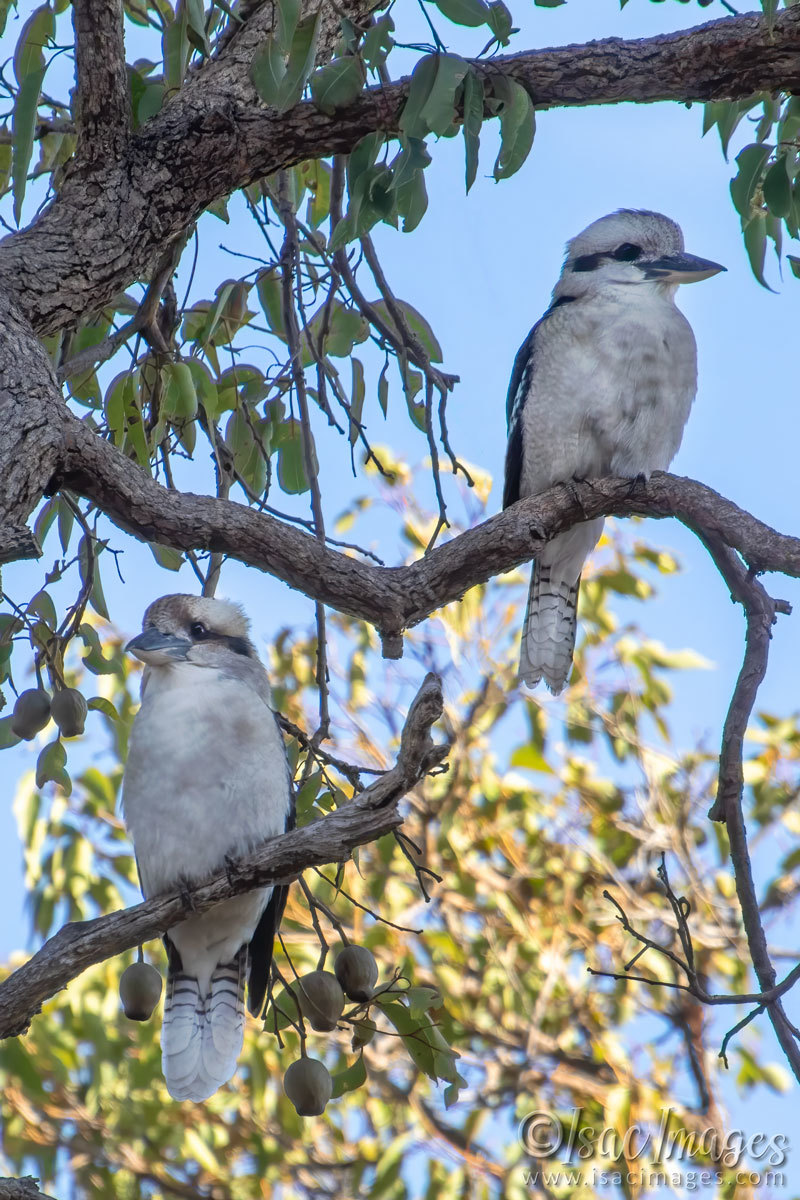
x=395 y=598
x=216 y=136
x=21 y=1189
x=372 y=813
x=103 y=95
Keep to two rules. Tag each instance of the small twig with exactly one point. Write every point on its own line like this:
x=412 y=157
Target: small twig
x=364 y=908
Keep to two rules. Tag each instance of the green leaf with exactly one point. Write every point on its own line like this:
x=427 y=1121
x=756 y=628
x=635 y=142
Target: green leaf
x=176 y=50
x=755 y=241
x=7 y=737
x=270 y=294
x=532 y=758
x=549 y=3
x=300 y=63
x=473 y=120
x=166 y=557
x=288 y=15
x=179 y=397
x=347 y=328
x=66 y=520
x=267 y=71
x=100 y=704
x=778 y=188
x=50 y=766
x=464 y=12
x=196 y=22
x=417 y=323
x=500 y=21
x=377 y=42
x=337 y=84
x=37 y=31
x=350 y=1079
x=751 y=162
x=439 y=111
x=292 y=475
x=517 y=126
x=794 y=263
x=431 y=103
x=357 y=395
x=23 y=130
x=408 y=182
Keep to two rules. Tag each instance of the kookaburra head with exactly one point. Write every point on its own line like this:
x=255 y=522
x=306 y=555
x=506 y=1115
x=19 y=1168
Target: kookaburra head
x=630 y=250
x=192 y=629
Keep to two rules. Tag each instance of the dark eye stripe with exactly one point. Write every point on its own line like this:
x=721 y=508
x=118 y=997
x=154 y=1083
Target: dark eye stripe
x=588 y=262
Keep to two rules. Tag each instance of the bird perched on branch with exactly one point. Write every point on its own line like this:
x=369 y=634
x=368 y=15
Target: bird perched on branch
x=602 y=385
x=207 y=780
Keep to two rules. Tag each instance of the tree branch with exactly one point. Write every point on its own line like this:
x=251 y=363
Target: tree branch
x=372 y=813
x=216 y=136
x=103 y=96
x=396 y=598
x=21 y=1189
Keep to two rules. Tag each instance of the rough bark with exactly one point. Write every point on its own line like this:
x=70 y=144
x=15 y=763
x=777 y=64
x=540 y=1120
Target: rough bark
x=103 y=97
x=21 y=1189
x=215 y=136
x=329 y=840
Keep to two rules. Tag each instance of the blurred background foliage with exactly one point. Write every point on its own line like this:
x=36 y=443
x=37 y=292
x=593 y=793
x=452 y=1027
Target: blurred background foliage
x=485 y=920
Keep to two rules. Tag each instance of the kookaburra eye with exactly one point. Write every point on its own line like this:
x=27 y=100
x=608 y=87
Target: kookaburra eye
x=198 y=630
x=627 y=252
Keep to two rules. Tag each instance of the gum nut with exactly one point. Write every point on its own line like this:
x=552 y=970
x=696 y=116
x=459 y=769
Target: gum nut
x=309 y=1086
x=357 y=972
x=31 y=713
x=321 y=1000
x=139 y=991
x=68 y=709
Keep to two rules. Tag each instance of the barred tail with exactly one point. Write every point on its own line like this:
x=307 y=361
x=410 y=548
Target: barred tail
x=201 y=1037
x=548 y=633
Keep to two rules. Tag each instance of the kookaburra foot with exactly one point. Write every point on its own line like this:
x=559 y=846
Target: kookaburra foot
x=636 y=482
x=184 y=887
x=232 y=871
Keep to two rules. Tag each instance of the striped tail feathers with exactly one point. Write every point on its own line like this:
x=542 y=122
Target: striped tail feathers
x=548 y=632
x=202 y=1036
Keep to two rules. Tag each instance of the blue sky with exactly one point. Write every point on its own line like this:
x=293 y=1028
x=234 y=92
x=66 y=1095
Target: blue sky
x=481 y=269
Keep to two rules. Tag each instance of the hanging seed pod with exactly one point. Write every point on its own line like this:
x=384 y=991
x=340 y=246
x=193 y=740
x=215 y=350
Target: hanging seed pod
x=68 y=709
x=139 y=991
x=357 y=972
x=31 y=713
x=321 y=1000
x=309 y=1086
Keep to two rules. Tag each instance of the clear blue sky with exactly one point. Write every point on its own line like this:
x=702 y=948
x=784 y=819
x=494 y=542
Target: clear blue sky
x=481 y=268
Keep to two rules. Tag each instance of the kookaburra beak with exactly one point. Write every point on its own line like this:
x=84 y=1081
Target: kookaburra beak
x=680 y=268
x=152 y=646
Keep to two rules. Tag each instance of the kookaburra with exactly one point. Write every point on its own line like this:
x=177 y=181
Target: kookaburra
x=602 y=385
x=207 y=780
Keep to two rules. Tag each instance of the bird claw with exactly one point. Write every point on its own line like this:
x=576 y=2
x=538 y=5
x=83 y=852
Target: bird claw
x=572 y=488
x=184 y=887
x=232 y=872
x=636 y=482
